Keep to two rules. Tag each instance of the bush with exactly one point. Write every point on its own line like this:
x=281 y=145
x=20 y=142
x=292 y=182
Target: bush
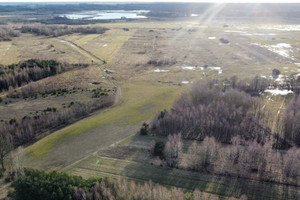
x=145 y=129
x=275 y=73
x=158 y=148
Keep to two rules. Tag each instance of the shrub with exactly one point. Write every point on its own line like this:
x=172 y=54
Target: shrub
x=275 y=73
x=158 y=148
x=145 y=129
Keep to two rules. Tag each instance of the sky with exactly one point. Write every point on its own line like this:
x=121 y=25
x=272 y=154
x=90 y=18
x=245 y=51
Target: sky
x=212 y=1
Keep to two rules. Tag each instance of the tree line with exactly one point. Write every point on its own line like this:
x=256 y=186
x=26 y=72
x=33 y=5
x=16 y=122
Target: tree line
x=6 y=33
x=242 y=158
x=17 y=75
x=55 y=31
x=39 y=185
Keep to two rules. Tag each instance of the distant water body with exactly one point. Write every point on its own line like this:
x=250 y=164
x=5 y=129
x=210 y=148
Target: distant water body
x=108 y=14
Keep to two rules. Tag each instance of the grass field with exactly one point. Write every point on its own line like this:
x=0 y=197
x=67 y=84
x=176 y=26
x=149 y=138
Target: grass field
x=106 y=45
x=140 y=101
x=8 y=53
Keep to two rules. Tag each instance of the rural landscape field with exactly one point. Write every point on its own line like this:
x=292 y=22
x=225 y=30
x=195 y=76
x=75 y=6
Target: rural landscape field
x=149 y=101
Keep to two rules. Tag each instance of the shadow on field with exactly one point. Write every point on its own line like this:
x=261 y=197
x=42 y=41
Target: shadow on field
x=223 y=186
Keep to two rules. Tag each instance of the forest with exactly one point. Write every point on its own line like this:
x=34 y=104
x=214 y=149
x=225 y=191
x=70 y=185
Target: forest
x=230 y=135
x=208 y=111
x=16 y=75
x=223 y=113
x=56 y=31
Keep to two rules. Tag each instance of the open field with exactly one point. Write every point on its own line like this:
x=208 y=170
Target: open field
x=40 y=47
x=79 y=83
x=119 y=121
x=140 y=171
x=104 y=46
x=151 y=64
x=130 y=158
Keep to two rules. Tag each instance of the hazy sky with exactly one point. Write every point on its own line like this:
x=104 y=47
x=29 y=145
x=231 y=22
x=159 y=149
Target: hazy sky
x=218 y=1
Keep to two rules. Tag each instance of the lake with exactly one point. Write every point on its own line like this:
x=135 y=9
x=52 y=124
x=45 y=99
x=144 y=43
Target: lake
x=107 y=14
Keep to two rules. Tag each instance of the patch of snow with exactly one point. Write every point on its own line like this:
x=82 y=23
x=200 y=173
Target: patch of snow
x=285 y=67
x=62 y=41
x=246 y=34
x=282 y=49
x=160 y=70
x=286 y=27
x=263 y=76
x=8 y=47
x=242 y=27
x=188 y=67
x=234 y=31
x=185 y=82
x=258 y=34
x=280 y=79
x=73 y=45
x=211 y=38
x=216 y=68
x=297 y=64
x=105 y=45
x=103 y=77
x=194 y=15
x=279 y=92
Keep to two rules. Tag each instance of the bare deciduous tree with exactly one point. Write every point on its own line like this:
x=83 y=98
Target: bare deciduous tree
x=173 y=149
x=5 y=148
